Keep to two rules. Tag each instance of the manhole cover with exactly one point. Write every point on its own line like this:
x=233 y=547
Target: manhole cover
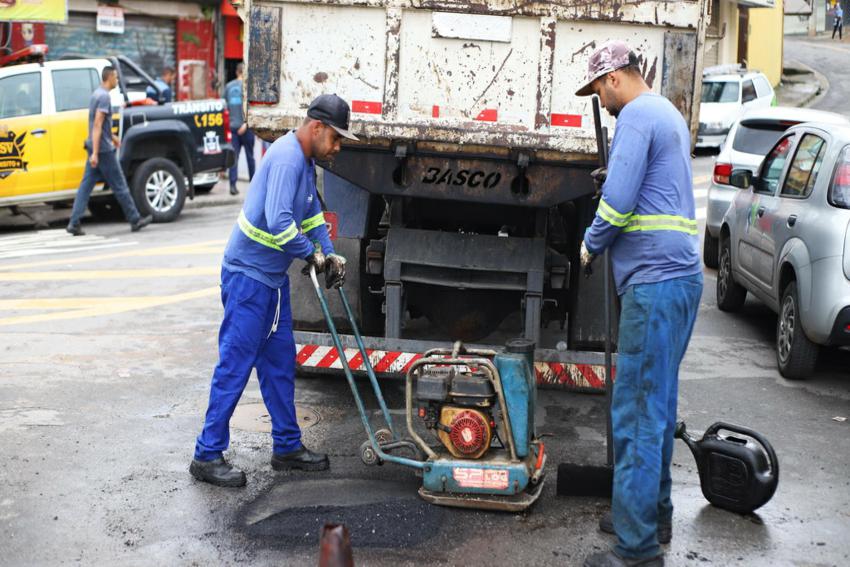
x=255 y=417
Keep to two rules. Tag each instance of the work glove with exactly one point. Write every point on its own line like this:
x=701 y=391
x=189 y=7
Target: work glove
x=599 y=175
x=317 y=259
x=586 y=259
x=334 y=271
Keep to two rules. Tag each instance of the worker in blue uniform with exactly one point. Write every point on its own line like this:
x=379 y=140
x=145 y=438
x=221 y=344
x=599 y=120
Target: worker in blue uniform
x=646 y=220
x=280 y=221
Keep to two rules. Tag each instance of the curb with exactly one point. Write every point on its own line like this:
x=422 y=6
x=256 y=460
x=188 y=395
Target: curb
x=823 y=84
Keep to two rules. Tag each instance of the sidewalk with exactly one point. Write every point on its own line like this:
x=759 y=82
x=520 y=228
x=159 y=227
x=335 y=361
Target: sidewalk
x=800 y=85
x=220 y=195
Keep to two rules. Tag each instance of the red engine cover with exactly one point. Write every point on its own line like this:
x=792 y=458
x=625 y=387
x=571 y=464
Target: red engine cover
x=469 y=432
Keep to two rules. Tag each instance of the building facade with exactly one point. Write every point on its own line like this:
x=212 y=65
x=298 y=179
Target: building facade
x=747 y=32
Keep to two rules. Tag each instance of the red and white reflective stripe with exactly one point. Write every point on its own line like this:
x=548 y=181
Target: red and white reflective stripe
x=566 y=120
x=488 y=115
x=554 y=374
x=313 y=356
x=366 y=107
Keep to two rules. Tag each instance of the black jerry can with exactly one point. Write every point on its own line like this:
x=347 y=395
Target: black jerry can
x=735 y=473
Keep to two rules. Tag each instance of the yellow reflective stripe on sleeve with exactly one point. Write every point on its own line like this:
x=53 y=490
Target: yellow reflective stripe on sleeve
x=661 y=222
x=255 y=233
x=283 y=237
x=612 y=215
x=313 y=222
x=262 y=237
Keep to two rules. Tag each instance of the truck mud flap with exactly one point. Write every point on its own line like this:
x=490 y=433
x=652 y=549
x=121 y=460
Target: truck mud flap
x=559 y=370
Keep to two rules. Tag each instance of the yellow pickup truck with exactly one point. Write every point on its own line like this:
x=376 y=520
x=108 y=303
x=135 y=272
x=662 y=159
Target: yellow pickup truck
x=166 y=150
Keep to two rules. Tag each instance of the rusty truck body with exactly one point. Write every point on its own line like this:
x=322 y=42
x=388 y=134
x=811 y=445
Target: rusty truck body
x=462 y=207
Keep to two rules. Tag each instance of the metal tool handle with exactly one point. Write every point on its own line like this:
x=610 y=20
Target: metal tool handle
x=602 y=150
x=349 y=376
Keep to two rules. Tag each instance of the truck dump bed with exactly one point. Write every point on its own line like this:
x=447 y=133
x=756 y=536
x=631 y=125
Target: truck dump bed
x=497 y=73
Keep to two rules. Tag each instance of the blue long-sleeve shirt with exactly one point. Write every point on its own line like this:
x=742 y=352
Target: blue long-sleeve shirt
x=281 y=219
x=646 y=215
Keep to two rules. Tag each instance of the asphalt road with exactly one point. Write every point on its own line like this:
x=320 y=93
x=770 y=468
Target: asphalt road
x=108 y=343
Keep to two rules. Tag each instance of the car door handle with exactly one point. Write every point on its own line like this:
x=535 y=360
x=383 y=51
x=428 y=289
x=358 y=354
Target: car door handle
x=792 y=220
x=760 y=212
x=39 y=132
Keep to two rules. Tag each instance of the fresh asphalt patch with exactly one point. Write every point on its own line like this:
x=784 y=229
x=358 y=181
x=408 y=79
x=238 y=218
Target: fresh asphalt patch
x=377 y=513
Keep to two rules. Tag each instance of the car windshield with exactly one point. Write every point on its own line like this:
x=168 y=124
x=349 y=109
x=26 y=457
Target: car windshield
x=757 y=138
x=839 y=191
x=719 y=91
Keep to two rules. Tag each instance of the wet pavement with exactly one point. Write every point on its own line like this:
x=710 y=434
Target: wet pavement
x=106 y=357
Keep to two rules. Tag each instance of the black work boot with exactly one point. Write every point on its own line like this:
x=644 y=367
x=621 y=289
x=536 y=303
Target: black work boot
x=665 y=531
x=218 y=472
x=141 y=223
x=611 y=559
x=75 y=229
x=303 y=459
x=234 y=190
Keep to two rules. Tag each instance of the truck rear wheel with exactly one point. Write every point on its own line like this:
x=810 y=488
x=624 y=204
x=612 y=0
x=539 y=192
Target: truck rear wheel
x=159 y=189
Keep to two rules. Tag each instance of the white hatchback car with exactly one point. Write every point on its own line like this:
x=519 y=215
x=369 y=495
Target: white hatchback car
x=726 y=93
x=749 y=140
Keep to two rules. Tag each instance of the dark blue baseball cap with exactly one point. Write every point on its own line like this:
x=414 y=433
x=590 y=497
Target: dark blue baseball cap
x=331 y=110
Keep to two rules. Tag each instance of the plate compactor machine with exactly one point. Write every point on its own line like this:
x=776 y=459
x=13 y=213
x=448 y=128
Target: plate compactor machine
x=479 y=405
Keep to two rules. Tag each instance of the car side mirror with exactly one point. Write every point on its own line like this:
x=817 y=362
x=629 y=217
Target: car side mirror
x=741 y=178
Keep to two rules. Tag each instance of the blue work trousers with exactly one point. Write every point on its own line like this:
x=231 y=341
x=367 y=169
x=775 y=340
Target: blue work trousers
x=109 y=170
x=656 y=322
x=246 y=141
x=256 y=333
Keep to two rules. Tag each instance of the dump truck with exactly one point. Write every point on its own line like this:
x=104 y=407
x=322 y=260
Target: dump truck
x=462 y=208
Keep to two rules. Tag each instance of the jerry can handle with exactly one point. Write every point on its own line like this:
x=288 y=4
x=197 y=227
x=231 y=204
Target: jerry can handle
x=765 y=444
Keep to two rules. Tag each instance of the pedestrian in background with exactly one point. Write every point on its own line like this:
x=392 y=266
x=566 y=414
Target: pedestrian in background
x=646 y=218
x=242 y=137
x=281 y=221
x=838 y=22
x=164 y=82
x=102 y=164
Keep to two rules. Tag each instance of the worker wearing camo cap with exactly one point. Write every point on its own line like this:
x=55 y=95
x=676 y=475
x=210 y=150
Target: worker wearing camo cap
x=646 y=219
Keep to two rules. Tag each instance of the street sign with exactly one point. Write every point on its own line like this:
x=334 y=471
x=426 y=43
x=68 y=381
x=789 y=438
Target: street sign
x=110 y=19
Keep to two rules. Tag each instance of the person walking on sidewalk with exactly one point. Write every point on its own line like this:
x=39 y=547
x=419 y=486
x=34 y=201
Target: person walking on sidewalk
x=242 y=136
x=646 y=218
x=838 y=22
x=281 y=221
x=102 y=164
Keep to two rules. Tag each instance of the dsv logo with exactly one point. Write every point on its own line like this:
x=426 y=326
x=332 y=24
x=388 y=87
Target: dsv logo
x=437 y=176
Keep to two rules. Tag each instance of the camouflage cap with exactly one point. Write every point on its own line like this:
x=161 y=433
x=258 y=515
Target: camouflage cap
x=609 y=56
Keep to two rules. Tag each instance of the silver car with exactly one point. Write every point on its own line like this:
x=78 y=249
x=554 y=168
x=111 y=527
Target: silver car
x=786 y=239
x=749 y=140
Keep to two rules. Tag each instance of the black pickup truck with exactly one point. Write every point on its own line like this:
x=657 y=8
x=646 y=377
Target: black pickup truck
x=167 y=150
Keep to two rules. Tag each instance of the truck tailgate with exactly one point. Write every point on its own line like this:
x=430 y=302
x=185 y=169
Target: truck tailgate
x=495 y=74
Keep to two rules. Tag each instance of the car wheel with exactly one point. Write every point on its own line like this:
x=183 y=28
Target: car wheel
x=202 y=189
x=730 y=294
x=159 y=189
x=710 y=252
x=106 y=209
x=796 y=355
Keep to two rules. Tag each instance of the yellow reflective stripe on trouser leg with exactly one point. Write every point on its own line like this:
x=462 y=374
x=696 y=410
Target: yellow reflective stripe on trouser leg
x=312 y=222
x=612 y=215
x=661 y=222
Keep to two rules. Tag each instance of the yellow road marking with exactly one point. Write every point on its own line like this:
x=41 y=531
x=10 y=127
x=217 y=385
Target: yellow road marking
x=207 y=247
x=827 y=46
x=94 y=307
x=109 y=274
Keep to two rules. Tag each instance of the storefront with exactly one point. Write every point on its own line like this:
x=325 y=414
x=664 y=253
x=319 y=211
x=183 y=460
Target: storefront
x=233 y=39
x=153 y=34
